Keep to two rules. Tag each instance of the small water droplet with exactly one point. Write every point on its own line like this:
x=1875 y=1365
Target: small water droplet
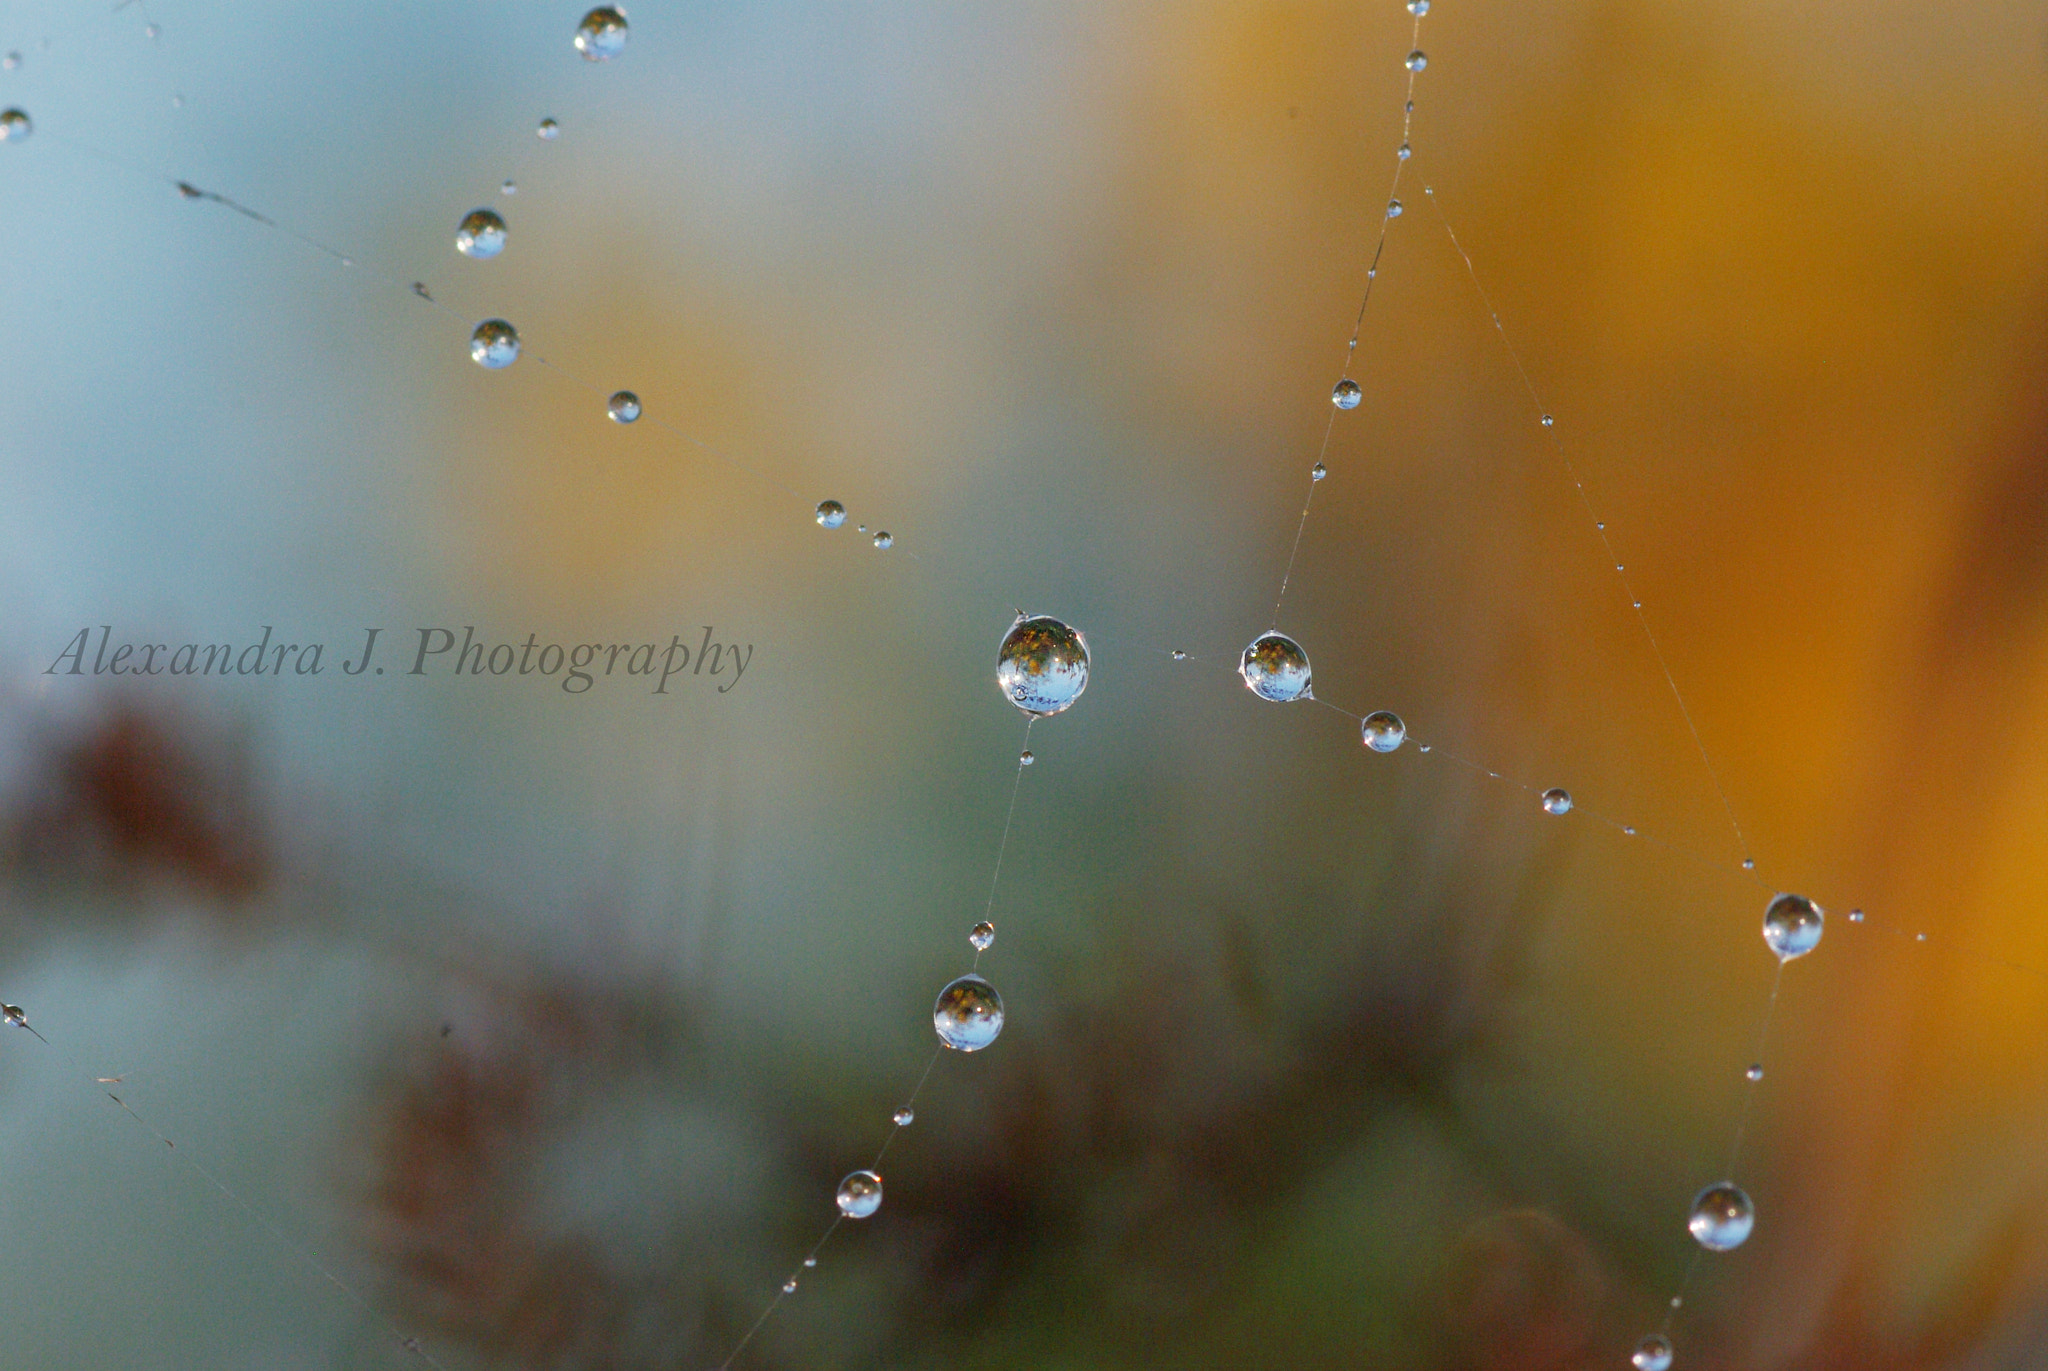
x=1721 y=1217
x=1652 y=1354
x=1041 y=665
x=883 y=542
x=789 y=1286
x=983 y=936
x=1855 y=916
x=1422 y=747
x=1601 y=526
x=481 y=235
x=902 y=1117
x=152 y=32
x=1557 y=801
x=1179 y=656
x=1678 y=1301
x=177 y=102
x=623 y=407
x=1318 y=472
x=494 y=344
x=831 y=514
x=1405 y=153
x=1629 y=829
x=15 y=126
x=1275 y=668
x=968 y=1015
x=1749 y=863
x=1549 y=422
x=1635 y=604
x=1792 y=926
x=602 y=34
x=1346 y=394
x=860 y=1194
x=1418 y=8
x=11 y=61
x=810 y=1262
x=1393 y=209
x=1417 y=60
x=1383 y=730
x=1755 y=1072
x=548 y=131
x=1919 y=937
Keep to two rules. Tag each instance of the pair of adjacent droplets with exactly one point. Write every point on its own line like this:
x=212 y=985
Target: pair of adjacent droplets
x=1722 y=1215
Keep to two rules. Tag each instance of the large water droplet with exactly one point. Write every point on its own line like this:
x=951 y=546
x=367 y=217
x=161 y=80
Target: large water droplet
x=494 y=344
x=1721 y=1217
x=860 y=1194
x=1792 y=926
x=602 y=34
x=549 y=130
x=1417 y=60
x=623 y=407
x=831 y=514
x=983 y=936
x=15 y=126
x=968 y=1014
x=1042 y=665
x=1275 y=668
x=1346 y=394
x=1383 y=730
x=1652 y=1353
x=481 y=235
x=1557 y=801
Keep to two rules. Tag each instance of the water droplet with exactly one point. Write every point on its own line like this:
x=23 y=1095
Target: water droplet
x=481 y=235
x=1418 y=8
x=810 y=1262
x=1557 y=801
x=14 y=1014
x=1025 y=758
x=883 y=542
x=1855 y=916
x=1422 y=747
x=1721 y=1217
x=494 y=344
x=508 y=187
x=983 y=936
x=177 y=102
x=1346 y=394
x=602 y=34
x=11 y=61
x=968 y=1014
x=1755 y=1072
x=152 y=32
x=860 y=1194
x=1417 y=60
x=789 y=1286
x=1275 y=668
x=623 y=407
x=831 y=514
x=1318 y=472
x=1601 y=526
x=1042 y=665
x=1919 y=937
x=1405 y=153
x=1179 y=656
x=1652 y=1354
x=1629 y=829
x=902 y=1117
x=1792 y=926
x=1393 y=209
x=1678 y=1301
x=419 y=288
x=861 y=527
x=548 y=131
x=1383 y=730
x=15 y=126
x=1749 y=863
x=1549 y=422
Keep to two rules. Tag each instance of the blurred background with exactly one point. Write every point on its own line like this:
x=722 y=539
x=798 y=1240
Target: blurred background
x=548 y=1023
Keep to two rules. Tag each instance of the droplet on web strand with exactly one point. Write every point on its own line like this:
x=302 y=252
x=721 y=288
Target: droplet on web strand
x=1721 y=1218
x=548 y=131
x=883 y=542
x=623 y=407
x=1041 y=665
x=902 y=1118
x=1275 y=668
x=1383 y=730
x=1557 y=800
x=480 y=235
x=1792 y=926
x=494 y=344
x=1417 y=60
x=602 y=34
x=982 y=936
x=860 y=1194
x=831 y=514
x=1652 y=1354
x=968 y=1014
x=1346 y=394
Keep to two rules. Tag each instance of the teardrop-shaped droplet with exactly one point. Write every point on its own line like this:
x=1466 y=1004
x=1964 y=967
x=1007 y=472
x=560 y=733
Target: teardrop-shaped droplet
x=1275 y=668
x=1792 y=926
x=481 y=234
x=602 y=34
x=1721 y=1217
x=1042 y=665
x=902 y=1117
x=1557 y=800
x=968 y=1014
x=15 y=126
x=983 y=936
x=494 y=344
x=1346 y=394
x=831 y=514
x=1393 y=209
x=623 y=407
x=548 y=130
x=860 y=1194
x=1383 y=730
x=1652 y=1354
x=1318 y=472
x=1417 y=60
x=883 y=542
